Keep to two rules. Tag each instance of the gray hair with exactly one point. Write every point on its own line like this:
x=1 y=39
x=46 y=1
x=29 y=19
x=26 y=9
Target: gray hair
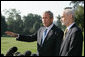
x=70 y=10
x=50 y=13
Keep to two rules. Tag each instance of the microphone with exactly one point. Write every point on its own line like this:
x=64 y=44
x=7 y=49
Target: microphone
x=20 y=55
x=34 y=54
x=27 y=53
x=2 y=54
x=11 y=51
x=16 y=53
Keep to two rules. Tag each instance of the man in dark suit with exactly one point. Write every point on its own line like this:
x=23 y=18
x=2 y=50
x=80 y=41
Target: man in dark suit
x=48 y=38
x=73 y=39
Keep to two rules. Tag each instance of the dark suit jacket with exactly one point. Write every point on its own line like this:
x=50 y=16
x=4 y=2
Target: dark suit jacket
x=72 y=44
x=52 y=43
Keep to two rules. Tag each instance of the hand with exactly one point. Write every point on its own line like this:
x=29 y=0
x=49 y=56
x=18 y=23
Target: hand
x=11 y=34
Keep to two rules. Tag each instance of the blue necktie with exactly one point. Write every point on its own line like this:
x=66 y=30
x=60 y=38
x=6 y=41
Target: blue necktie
x=44 y=35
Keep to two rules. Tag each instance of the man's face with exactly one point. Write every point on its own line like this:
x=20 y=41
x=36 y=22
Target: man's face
x=46 y=20
x=65 y=19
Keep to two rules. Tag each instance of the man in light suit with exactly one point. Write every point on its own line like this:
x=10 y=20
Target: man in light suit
x=48 y=38
x=73 y=39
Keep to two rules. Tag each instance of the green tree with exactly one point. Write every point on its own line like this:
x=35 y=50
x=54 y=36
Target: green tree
x=58 y=21
x=14 y=22
x=3 y=25
x=18 y=24
x=27 y=23
x=76 y=3
x=79 y=13
x=32 y=23
x=79 y=17
x=59 y=24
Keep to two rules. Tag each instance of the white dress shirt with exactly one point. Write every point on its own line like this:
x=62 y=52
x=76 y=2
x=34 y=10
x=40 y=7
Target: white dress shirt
x=70 y=26
x=48 y=29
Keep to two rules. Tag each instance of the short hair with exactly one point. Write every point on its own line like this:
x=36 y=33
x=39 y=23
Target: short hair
x=50 y=13
x=70 y=10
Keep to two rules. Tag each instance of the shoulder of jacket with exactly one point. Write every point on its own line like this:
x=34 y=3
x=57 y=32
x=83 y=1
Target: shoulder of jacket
x=75 y=29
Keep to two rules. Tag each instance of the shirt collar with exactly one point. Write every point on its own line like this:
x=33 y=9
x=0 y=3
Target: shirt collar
x=49 y=27
x=70 y=26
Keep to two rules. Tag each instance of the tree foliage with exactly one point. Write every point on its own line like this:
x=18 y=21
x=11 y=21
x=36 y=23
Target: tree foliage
x=76 y=3
x=32 y=23
x=26 y=25
x=3 y=25
x=59 y=24
x=79 y=13
x=79 y=17
x=14 y=21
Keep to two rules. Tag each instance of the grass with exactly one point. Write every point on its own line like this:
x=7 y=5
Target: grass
x=8 y=42
x=83 y=50
x=83 y=45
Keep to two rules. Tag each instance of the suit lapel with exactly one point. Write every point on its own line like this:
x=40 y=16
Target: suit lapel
x=50 y=33
x=69 y=32
x=40 y=35
x=65 y=40
x=67 y=35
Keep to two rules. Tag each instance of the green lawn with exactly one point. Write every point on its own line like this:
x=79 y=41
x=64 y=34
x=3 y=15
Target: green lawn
x=83 y=45
x=8 y=42
x=83 y=50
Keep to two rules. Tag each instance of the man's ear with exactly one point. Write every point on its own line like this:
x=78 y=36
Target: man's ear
x=71 y=15
x=52 y=19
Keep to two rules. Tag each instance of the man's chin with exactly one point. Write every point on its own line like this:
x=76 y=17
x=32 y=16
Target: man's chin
x=45 y=25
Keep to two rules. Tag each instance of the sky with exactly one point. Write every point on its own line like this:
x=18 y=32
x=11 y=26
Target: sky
x=36 y=7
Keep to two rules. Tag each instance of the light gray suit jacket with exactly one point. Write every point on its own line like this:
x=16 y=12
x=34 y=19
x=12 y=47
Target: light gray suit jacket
x=72 y=44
